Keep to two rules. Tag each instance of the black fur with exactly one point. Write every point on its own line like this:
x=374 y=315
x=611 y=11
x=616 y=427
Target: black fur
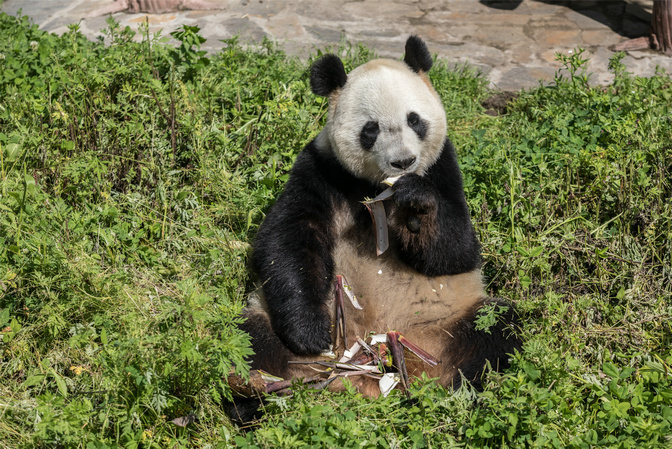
x=469 y=347
x=244 y=410
x=269 y=352
x=293 y=249
x=417 y=56
x=446 y=242
x=270 y=355
x=417 y=124
x=326 y=75
x=369 y=134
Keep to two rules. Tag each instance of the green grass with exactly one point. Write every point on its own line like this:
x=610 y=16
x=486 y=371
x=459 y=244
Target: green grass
x=134 y=175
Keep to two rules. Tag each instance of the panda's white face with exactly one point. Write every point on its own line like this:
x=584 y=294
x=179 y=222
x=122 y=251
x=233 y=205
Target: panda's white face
x=386 y=121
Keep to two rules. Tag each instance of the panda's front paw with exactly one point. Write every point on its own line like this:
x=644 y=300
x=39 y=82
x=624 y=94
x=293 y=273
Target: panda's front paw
x=415 y=194
x=414 y=207
x=306 y=333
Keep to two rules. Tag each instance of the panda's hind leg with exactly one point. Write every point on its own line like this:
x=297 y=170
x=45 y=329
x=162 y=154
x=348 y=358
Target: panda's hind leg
x=470 y=348
x=270 y=355
x=243 y=411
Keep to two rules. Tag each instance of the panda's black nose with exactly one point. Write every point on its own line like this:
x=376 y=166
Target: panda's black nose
x=404 y=163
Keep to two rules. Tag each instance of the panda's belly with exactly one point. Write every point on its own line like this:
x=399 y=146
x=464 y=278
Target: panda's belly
x=393 y=296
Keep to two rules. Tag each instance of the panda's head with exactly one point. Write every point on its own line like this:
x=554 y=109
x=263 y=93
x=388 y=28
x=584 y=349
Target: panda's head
x=385 y=119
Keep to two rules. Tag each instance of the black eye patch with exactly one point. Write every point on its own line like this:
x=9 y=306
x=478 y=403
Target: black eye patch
x=418 y=125
x=369 y=134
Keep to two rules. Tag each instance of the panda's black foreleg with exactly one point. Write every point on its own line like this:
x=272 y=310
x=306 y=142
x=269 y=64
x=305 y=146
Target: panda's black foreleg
x=470 y=348
x=293 y=258
x=434 y=228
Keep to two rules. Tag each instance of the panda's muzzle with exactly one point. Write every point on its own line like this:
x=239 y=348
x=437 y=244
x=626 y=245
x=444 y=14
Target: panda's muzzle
x=403 y=164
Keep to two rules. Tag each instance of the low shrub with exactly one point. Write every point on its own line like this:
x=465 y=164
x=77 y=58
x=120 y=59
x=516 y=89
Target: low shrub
x=133 y=177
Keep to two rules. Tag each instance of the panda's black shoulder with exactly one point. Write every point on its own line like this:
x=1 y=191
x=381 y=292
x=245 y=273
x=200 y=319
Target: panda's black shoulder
x=446 y=173
x=317 y=184
x=323 y=174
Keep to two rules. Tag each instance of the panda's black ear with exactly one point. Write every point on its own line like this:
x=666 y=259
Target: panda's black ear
x=416 y=56
x=327 y=74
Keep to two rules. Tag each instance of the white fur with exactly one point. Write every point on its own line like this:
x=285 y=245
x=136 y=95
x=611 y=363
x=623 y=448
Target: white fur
x=385 y=91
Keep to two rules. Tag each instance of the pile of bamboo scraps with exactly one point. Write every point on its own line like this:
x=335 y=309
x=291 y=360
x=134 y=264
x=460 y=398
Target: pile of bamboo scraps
x=382 y=358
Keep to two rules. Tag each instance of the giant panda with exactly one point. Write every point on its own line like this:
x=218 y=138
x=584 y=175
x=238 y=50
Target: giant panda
x=384 y=120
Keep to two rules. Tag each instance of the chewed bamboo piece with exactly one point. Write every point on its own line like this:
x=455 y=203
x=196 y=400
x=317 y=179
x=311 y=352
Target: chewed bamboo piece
x=377 y=210
x=261 y=383
x=391 y=180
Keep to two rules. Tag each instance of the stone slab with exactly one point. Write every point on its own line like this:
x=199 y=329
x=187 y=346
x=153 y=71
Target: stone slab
x=513 y=42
